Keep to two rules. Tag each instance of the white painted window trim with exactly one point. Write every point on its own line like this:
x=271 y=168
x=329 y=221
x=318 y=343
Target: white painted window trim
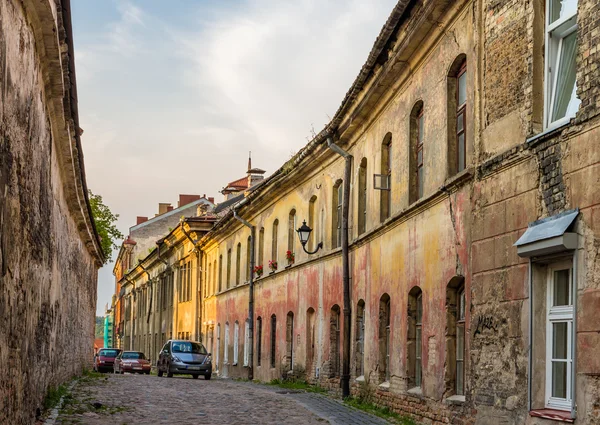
x=550 y=63
x=246 y=343
x=554 y=315
x=226 y=351
x=236 y=337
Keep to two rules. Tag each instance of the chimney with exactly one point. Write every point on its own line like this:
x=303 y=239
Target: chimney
x=163 y=207
x=211 y=199
x=186 y=199
x=249 y=160
x=140 y=220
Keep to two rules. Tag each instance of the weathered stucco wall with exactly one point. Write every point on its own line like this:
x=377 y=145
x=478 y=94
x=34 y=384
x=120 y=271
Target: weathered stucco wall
x=47 y=275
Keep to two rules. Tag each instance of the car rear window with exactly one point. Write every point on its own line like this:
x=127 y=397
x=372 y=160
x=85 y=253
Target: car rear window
x=188 y=347
x=139 y=356
x=108 y=353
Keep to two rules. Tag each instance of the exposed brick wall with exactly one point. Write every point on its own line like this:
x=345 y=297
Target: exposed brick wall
x=588 y=71
x=506 y=58
x=47 y=276
x=552 y=184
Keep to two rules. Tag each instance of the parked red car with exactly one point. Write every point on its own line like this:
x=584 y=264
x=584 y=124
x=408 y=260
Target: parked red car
x=132 y=361
x=105 y=358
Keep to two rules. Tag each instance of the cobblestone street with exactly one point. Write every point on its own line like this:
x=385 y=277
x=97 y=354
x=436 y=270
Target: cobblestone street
x=142 y=399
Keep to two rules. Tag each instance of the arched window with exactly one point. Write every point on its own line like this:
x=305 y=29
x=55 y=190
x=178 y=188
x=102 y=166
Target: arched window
x=310 y=342
x=228 y=268
x=312 y=222
x=362 y=196
x=334 y=342
x=273 y=339
x=248 y=255
x=360 y=338
x=384 y=338
x=238 y=263
x=261 y=246
x=258 y=340
x=274 y=242
x=457 y=115
x=414 y=337
x=236 y=342
x=385 y=200
x=215 y=278
x=455 y=336
x=289 y=341
x=417 y=172
x=336 y=219
x=291 y=237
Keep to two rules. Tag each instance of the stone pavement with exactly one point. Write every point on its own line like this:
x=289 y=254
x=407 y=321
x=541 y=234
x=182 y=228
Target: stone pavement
x=143 y=399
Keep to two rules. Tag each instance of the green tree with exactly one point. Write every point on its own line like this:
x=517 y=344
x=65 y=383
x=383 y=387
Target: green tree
x=105 y=225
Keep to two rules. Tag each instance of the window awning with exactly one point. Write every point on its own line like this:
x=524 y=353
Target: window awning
x=548 y=235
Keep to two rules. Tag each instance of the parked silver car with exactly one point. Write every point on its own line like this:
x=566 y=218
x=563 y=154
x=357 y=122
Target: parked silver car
x=180 y=357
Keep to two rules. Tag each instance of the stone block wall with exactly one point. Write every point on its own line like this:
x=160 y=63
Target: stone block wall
x=47 y=274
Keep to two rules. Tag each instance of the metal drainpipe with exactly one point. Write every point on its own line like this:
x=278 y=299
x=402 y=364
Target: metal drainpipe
x=250 y=297
x=345 y=266
x=160 y=310
x=198 y=279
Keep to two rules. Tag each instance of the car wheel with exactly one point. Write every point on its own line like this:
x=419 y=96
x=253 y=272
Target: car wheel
x=122 y=372
x=207 y=376
x=169 y=374
x=195 y=376
x=159 y=372
x=147 y=373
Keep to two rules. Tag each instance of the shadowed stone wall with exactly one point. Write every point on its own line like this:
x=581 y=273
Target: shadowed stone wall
x=48 y=248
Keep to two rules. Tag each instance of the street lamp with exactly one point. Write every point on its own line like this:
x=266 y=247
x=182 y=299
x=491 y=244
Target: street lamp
x=304 y=233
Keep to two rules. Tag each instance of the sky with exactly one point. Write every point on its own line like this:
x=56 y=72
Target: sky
x=174 y=94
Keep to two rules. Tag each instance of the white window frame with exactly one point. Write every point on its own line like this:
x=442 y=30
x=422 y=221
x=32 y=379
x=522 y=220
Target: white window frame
x=226 y=351
x=555 y=33
x=236 y=338
x=247 y=343
x=559 y=314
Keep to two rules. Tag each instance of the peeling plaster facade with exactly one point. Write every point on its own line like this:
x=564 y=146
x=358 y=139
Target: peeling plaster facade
x=459 y=234
x=49 y=249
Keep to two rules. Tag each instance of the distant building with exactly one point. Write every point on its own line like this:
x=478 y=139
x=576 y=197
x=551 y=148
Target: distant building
x=141 y=240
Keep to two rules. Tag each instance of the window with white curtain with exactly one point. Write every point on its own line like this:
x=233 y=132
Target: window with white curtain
x=561 y=53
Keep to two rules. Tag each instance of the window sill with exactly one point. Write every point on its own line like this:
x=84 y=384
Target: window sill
x=456 y=399
x=547 y=133
x=360 y=378
x=415 y=391
x=552 y=414
x=384 y=386
x=234 y=364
